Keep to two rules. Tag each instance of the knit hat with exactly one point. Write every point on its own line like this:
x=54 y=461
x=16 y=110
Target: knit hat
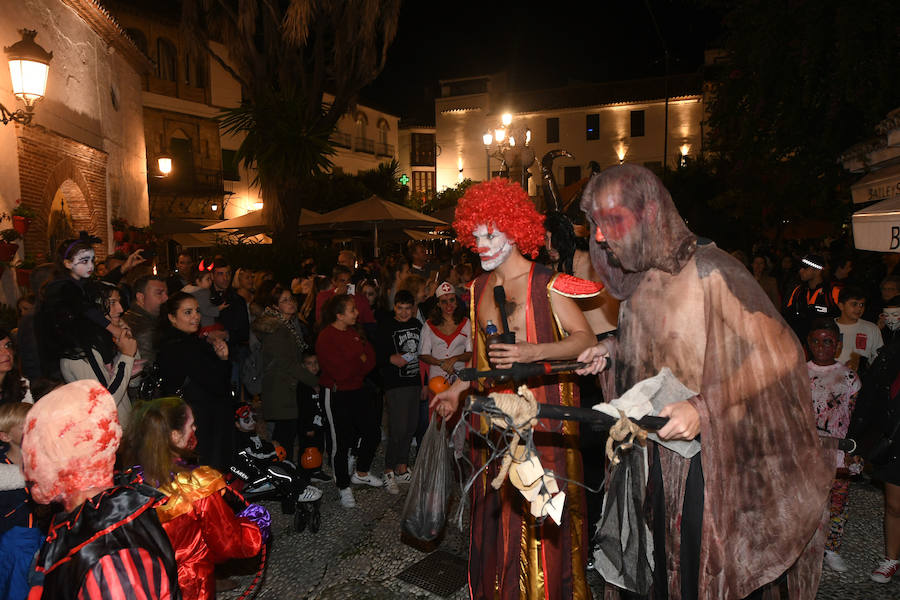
x=70 y=442
x=813 y=260
x=444 y=289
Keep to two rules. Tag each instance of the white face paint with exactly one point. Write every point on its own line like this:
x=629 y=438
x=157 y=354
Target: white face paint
x=892 y=318
x=82 y=264
x=493 y=247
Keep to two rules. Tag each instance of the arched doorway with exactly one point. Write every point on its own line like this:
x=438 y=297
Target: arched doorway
x=61 y=224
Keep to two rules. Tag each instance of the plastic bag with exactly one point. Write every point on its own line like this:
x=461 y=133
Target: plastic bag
x=425 y=511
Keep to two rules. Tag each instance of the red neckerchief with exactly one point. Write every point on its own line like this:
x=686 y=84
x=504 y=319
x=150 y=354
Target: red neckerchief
x=443 y=336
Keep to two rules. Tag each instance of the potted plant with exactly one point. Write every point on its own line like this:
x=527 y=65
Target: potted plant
x=21 y=217
x=8 y=245
x=120 y=226
x=23 y=270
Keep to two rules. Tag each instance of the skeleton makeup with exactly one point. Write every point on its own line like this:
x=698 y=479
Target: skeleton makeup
x=494 y=247
x=892 y=318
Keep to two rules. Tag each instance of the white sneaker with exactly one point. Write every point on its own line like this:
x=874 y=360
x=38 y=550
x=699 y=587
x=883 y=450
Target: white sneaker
x=834 y=562
x=390 y=483
x=347 y=499
x=885 y=570
x=367 y=480
x=405 y=477
x=310 y=494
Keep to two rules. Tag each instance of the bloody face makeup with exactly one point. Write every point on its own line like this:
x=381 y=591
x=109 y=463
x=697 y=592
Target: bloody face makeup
x=823 y=346
x=494 y=247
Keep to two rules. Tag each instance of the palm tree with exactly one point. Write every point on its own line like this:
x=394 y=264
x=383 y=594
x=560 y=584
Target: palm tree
x=286 y=54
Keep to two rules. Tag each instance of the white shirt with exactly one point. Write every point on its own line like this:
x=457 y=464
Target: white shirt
x=863 y=337
x=441 y=346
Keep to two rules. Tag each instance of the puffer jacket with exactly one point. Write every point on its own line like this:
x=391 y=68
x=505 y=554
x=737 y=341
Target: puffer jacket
x=282 y=359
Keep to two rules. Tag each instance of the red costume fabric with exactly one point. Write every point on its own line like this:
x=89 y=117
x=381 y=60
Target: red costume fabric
x=204 y=530
x=510 y=556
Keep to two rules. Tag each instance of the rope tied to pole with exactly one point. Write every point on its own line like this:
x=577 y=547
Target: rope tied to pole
x=522 y=409
x=626 y=432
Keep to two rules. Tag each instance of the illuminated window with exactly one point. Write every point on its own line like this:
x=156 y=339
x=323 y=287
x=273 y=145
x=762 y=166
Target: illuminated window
x=423 y=182
x=593 y=127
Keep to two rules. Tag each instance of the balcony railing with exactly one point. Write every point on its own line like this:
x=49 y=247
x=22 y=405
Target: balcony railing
x=341 y=139
x=361 y=144
x=193 y=181
x=382 y=149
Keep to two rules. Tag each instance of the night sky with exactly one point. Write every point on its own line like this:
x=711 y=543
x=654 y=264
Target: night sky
x=567 y=43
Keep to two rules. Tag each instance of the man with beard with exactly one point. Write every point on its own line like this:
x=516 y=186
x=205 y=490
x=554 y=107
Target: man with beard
x=747 y=508
x=511 y=554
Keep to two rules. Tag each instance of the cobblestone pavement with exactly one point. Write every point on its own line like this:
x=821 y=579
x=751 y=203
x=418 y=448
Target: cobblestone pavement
x=358 y=553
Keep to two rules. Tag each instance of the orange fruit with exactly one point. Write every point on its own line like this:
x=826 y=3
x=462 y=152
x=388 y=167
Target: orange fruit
x=438 y=384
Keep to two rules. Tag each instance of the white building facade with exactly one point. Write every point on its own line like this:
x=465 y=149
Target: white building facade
x=605 y=123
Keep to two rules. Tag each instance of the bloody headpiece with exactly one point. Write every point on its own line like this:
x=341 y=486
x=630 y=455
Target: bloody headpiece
x=70 y=442
x=502 y=206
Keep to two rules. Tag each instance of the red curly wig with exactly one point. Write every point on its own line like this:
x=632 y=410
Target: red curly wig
x=502 y=206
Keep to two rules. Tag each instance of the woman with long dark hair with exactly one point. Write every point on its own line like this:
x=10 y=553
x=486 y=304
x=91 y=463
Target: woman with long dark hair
x=201 y=525
x=345 y=358
x=13 y=387
x=197 y=369
x=445 y=345
x=283 y=345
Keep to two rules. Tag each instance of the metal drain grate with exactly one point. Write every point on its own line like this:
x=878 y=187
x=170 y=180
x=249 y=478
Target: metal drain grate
x=440 y=573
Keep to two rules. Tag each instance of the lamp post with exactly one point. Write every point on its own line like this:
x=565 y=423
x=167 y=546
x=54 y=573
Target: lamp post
x=29 y=65
x=511 y=145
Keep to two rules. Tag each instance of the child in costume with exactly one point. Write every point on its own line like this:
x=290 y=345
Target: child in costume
x=834 y=389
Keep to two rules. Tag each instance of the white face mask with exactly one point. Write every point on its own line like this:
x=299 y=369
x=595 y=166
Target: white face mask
x=892 y=318
x=493 y=247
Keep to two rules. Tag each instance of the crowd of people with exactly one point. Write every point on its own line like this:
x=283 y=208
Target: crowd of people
x=149 y=369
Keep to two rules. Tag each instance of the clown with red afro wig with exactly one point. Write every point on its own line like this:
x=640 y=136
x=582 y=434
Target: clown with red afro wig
x=502 y=206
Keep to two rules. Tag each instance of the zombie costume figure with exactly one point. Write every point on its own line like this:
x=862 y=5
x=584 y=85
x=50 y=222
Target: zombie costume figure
x=749 y=505
x=108 y=543
x=510 y=554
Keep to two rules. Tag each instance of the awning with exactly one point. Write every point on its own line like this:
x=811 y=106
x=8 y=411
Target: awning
x=195 y=240
x=425 y=235
x=883 y=184
x=877 y=227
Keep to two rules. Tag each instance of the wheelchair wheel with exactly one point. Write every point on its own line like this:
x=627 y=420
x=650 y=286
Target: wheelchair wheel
x=300 y=519
x=315 y=518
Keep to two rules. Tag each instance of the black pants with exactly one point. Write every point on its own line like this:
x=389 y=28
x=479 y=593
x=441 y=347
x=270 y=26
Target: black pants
x=353 y=416
x=285 y=432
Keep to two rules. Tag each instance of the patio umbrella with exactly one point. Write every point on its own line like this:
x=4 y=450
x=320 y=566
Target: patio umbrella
x=253 y=222
x=877 y=227
x=374 y=213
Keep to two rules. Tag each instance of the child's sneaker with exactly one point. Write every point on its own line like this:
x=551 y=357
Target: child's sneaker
x=319 y=476
x=405 y=477
x=310 y=494
x=834 y=562
x=366 y=480
x=347 y=499
x=390 y=483
x=886 y=569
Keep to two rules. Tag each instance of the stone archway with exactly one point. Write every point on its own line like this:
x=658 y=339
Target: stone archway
x=67 y=208
x=53 y=169
x=60 y=224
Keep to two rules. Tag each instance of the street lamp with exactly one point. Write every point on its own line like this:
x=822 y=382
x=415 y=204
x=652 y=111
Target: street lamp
x=164 y=163
x=29 y=65
x=511 y=144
